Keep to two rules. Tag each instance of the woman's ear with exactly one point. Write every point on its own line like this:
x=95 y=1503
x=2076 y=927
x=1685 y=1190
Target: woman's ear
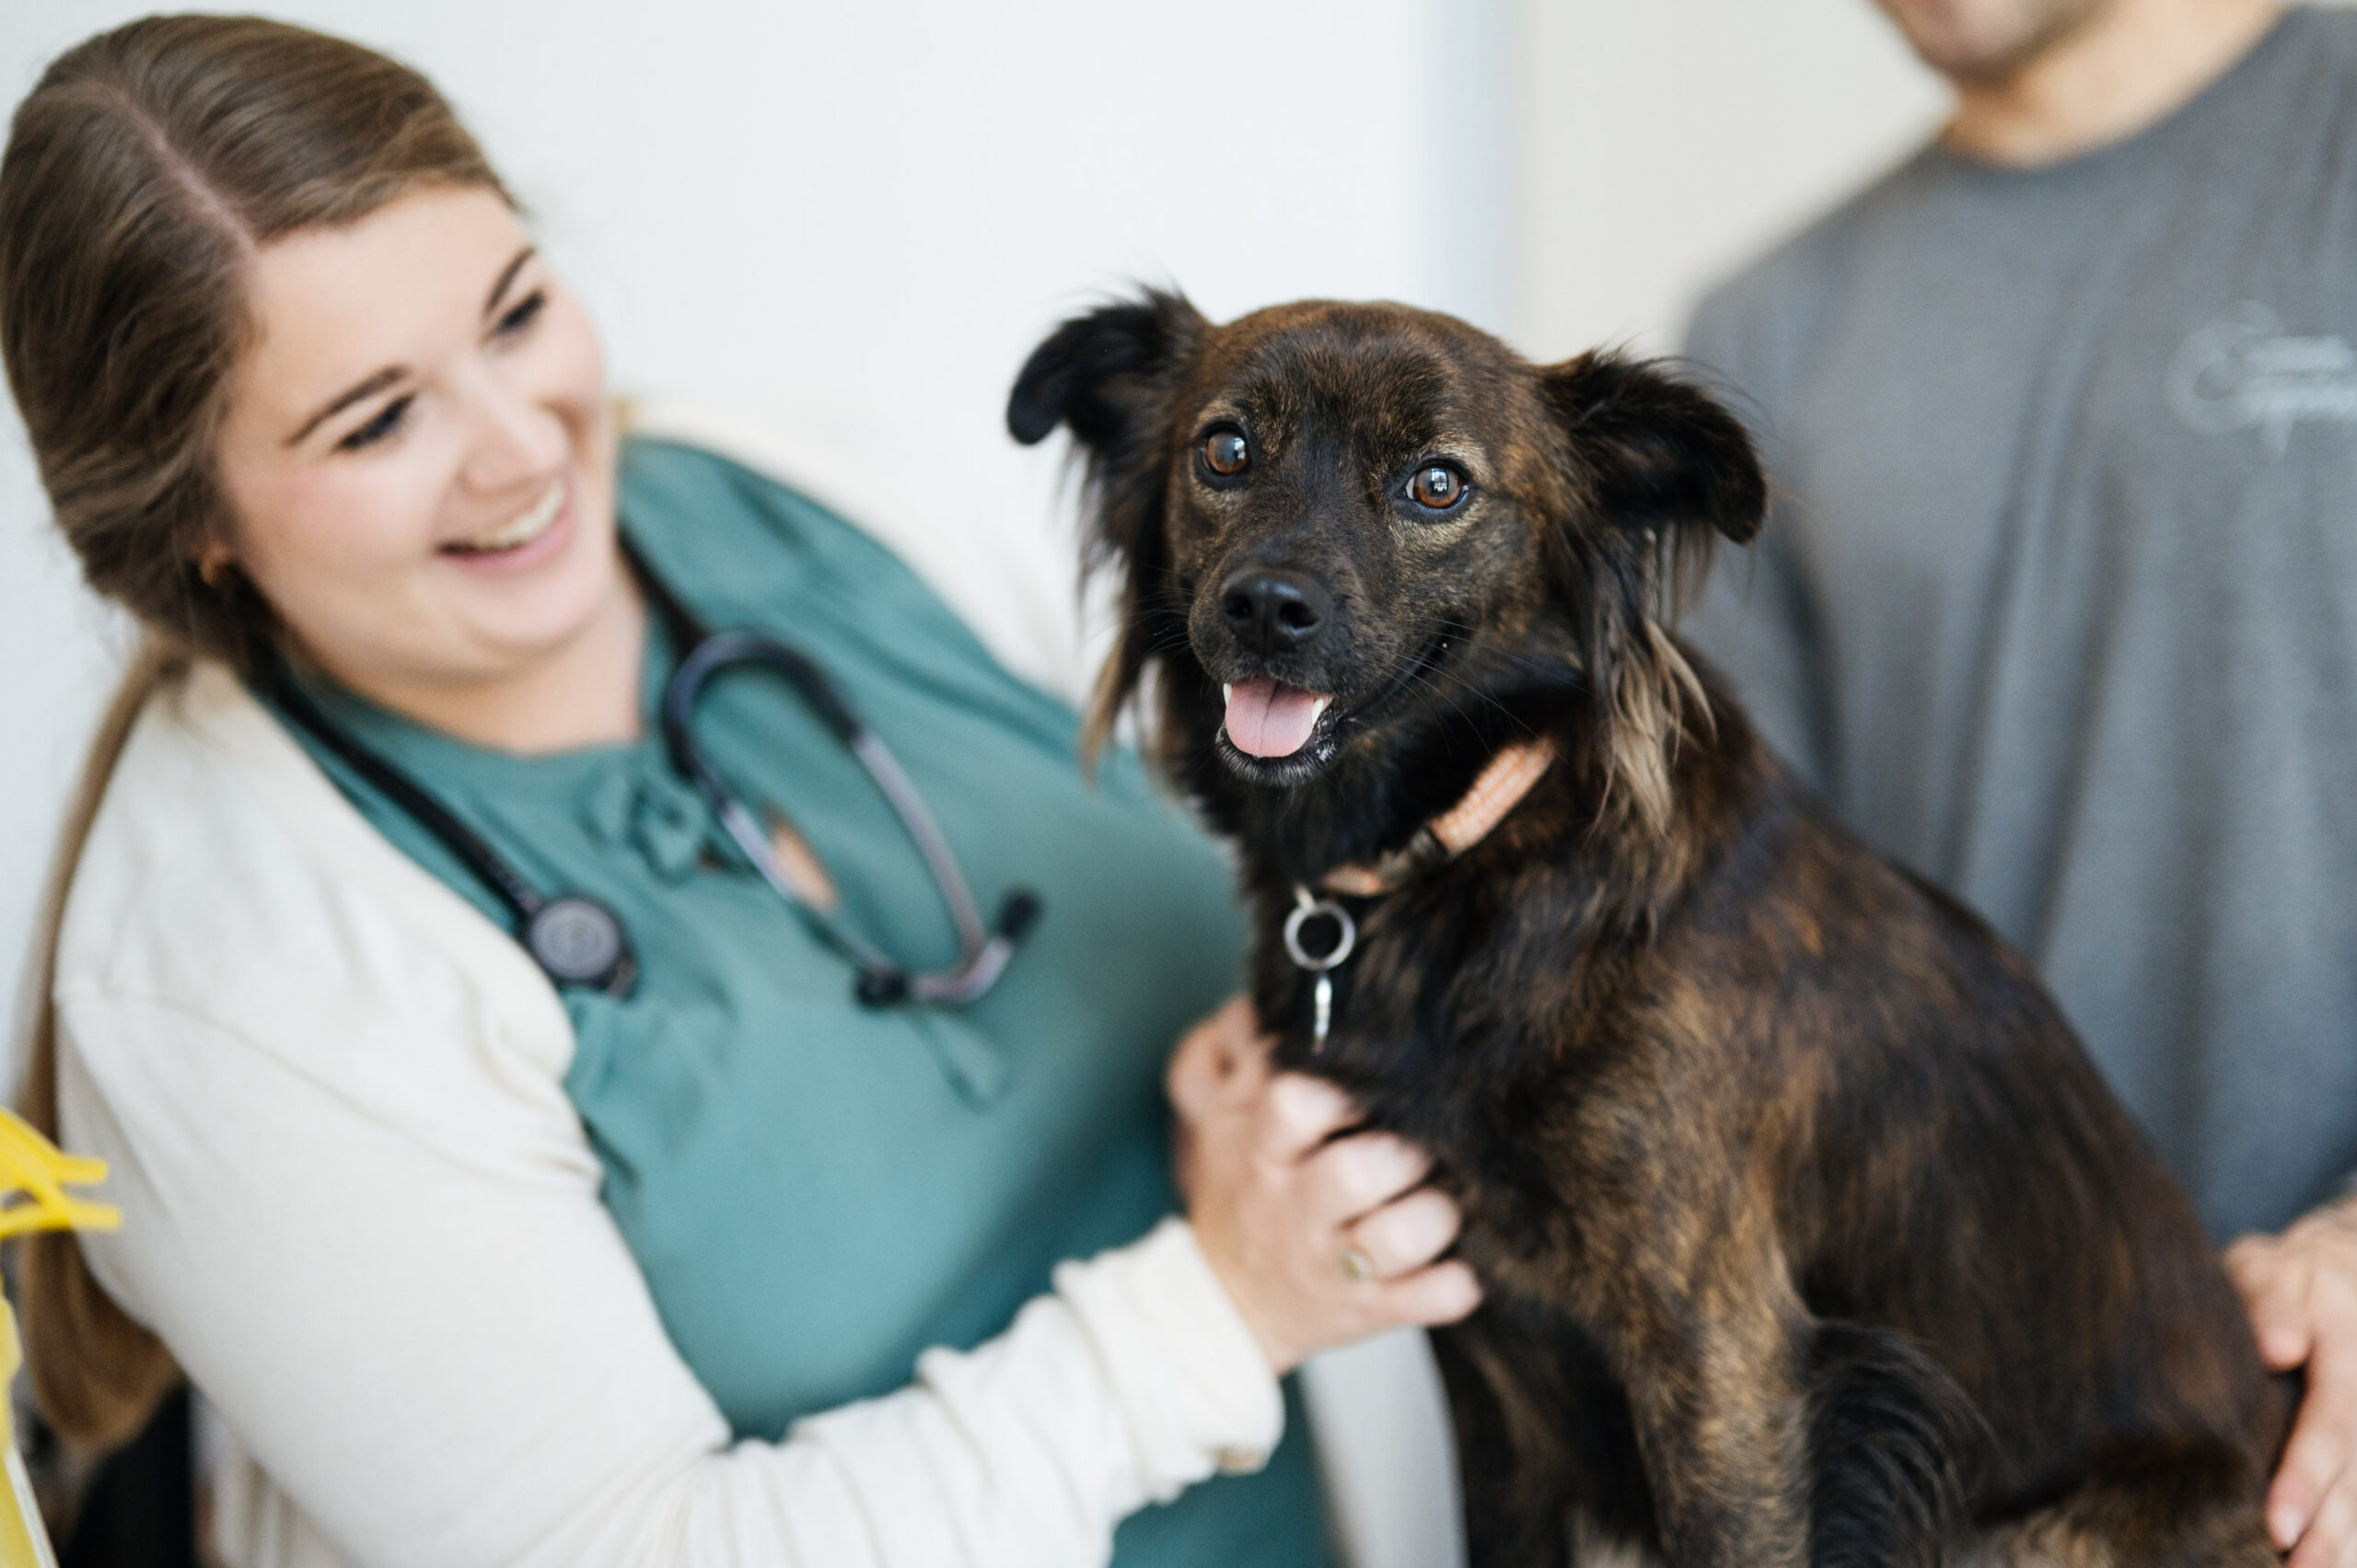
x=213 y=562
x=1107 y=378
x=1654 y=452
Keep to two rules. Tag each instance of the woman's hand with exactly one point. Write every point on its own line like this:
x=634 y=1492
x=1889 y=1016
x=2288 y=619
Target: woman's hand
x=1320 y=1239
x=2301 y=1290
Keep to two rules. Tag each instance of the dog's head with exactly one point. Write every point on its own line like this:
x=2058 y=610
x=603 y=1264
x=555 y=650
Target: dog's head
x=1342 y=527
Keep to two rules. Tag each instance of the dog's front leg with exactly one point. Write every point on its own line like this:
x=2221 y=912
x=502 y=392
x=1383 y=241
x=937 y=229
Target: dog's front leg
x=1720 y=1425
x=1693 y=1310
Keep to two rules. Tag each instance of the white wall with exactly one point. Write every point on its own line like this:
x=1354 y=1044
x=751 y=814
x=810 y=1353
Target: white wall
x=1663 y=140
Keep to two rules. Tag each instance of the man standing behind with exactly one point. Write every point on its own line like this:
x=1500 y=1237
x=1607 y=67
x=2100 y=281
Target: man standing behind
x=2059 y=605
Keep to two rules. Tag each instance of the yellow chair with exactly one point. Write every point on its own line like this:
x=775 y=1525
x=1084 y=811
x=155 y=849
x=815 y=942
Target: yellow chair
x=34 y=1174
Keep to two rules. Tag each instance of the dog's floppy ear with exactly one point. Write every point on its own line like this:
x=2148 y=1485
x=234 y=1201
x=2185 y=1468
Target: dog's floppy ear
x=1107 y=376
x=1656 y=452
x=1668 y=471
x=1095 y=373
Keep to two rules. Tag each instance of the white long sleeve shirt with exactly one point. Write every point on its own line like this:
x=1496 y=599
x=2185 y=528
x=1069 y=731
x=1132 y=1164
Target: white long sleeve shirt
x=359 y=1207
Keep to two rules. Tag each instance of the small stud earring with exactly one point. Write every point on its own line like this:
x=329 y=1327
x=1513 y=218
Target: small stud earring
x=210 y=568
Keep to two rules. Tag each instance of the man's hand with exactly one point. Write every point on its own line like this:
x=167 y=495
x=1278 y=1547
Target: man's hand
x=1319 y=1239
x=2301 y=1290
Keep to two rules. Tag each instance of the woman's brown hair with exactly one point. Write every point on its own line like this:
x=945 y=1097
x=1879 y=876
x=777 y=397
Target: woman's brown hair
x=145 y=167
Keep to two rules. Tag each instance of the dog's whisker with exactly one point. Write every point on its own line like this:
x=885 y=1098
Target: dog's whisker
x=1425 y=678
x=1459 y=631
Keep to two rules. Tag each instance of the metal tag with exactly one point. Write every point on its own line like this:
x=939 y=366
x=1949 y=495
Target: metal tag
x=1346 y=937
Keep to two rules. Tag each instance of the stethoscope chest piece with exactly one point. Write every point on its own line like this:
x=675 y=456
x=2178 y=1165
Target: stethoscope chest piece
x=580 y=942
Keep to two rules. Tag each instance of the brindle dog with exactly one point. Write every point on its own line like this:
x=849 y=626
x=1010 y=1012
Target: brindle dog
x=1810 y=1233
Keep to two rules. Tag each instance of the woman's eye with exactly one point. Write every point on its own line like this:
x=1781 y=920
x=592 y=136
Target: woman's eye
x=1437 y=485
x=521 y=316
x=388 y=419
x=1226 y=453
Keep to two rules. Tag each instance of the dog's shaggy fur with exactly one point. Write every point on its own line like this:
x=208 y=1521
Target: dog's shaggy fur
x=1809 y=1232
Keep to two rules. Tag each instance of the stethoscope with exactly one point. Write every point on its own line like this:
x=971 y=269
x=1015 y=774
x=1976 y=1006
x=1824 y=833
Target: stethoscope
x=580 y=942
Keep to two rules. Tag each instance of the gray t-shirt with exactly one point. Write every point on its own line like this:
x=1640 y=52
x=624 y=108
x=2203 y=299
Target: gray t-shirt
x=2060 y=603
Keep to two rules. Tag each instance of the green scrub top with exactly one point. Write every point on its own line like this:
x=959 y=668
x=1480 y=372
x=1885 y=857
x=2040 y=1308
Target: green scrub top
x=817 y=1191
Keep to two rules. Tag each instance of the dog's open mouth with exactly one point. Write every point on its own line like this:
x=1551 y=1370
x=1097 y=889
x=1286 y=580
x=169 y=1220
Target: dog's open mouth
x=1278 y=733
x=1269 y=719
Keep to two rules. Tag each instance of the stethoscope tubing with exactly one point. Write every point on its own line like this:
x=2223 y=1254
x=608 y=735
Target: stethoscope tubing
x=578 y=940
x=502 y=878
x=982 y=954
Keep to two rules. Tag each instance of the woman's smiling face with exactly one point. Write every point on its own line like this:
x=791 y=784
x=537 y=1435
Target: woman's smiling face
x=418 y=453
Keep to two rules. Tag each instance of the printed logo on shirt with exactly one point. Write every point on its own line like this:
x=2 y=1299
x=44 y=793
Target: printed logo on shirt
x=2244 y=372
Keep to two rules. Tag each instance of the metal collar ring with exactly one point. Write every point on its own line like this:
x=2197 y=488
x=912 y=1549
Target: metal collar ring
x=1309 y=909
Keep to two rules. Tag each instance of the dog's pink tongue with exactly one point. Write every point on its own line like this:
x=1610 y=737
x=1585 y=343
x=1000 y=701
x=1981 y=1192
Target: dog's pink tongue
x=1268 y=718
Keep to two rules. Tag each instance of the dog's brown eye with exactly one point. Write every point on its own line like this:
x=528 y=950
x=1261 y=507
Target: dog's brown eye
x=1438 y=486
x=1226 y=453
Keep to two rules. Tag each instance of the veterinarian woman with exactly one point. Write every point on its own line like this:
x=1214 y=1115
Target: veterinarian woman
x=650 y=1243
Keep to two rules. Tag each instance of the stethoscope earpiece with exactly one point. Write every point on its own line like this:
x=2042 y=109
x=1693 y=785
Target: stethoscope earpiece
x=1020 y=914
x=881 y=987
x=975 y=972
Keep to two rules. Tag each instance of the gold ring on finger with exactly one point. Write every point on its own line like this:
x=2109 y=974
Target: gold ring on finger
x=1357 y=1265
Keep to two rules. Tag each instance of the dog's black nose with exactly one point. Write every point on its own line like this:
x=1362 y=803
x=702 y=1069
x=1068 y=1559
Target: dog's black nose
x=1271 y=610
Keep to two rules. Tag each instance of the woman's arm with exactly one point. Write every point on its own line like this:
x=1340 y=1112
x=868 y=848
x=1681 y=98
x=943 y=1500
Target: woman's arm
x=437 y=1345
x=420 y=1321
